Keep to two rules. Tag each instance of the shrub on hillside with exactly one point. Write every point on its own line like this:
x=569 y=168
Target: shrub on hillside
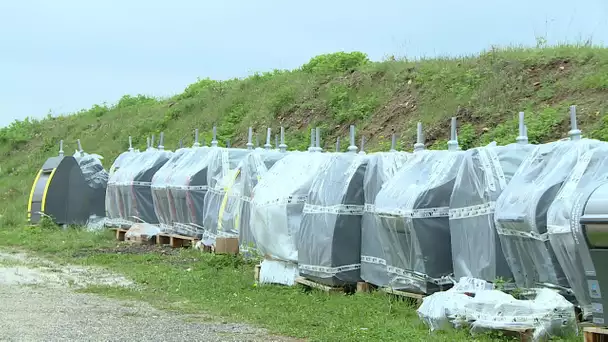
x=335 y=62
x=129 y=100
x=19 y=132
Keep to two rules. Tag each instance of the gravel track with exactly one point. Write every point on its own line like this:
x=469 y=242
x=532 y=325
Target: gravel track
x=38 y=303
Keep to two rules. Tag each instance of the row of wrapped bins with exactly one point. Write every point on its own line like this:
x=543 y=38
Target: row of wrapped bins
x=96 y=178
x=521 y=212
x=574 y=258
x=113 y=203
x=253 y=168
x=380 y=168
x=162 y=180
x=483 y=175
x=278 y=202
x=188 y=189
x=329 y=239
x=414 y=208
x=223 y=174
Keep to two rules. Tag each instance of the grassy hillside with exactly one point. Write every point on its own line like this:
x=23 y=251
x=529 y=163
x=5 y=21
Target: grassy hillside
x=484 y=92
x=333 y=91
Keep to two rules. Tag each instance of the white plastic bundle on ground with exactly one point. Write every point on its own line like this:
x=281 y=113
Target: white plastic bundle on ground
x=547 y=314
x=276 y=211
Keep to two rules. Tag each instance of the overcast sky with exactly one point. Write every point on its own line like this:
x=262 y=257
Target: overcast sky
x=65 y=55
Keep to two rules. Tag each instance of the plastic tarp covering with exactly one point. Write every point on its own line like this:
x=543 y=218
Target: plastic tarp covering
x=92 y=169
x=329 y=241
x=113 y=204
x=164 y=206
x=238 y=209
x=588 y=173
x=413 y=206
x=223 y=178
x=187 y=190
x=483 y=175
x=521 y=212
x=547 y=313
x=380 y=168
x=278 y=203
x=133 y=182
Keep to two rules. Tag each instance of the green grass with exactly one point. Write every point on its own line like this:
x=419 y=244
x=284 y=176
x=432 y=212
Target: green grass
x=484 y=92
x=191 y=282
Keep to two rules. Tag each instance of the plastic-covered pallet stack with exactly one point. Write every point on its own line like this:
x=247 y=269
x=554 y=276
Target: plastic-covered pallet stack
x=521 y=211
x=112 y=203
x=223 y=179
x=380 y=168
x=254 y=168
x=483 y=175
x=134 y=184
x=278 y=203
x=330 y=234
x=574 y=258
x=413 y=207
x=187 y=190
x=164 y=206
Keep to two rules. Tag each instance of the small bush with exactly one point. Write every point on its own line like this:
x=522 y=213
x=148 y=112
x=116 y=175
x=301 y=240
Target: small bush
x=335 y=62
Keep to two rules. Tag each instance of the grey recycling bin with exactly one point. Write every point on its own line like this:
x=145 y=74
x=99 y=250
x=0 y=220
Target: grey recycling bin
x=594 y=230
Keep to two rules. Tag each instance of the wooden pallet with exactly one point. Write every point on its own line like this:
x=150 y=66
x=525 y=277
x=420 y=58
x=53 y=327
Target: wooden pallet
x=176 y=241
x=595 y=334
x=120 y=233
x=364 y=287
x=417 y=297
x=141 y=240
x=520 y=334
x=256 y=273
x=314 y=285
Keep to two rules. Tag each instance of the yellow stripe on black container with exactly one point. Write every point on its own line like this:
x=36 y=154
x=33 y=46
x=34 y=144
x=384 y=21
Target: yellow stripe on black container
x=31 y=198
x=46 y=190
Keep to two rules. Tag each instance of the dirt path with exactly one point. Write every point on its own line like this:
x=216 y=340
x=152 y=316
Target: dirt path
x=37 y=303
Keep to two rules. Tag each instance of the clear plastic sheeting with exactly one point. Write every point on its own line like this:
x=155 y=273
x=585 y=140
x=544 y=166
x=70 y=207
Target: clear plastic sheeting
x=142 y=232
x=413 y=206
x=223 y=180
x=132 y=184
x=444 y=310
x=164 y=206
x=92 y=169
x=253 y=168
x=547 y=313
x=521 y=212
x=483 y=175
x=113 y=204
x=278 y=202
x=588 y=172
x=329 y=239
x=187 y=189
x=380 y=168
